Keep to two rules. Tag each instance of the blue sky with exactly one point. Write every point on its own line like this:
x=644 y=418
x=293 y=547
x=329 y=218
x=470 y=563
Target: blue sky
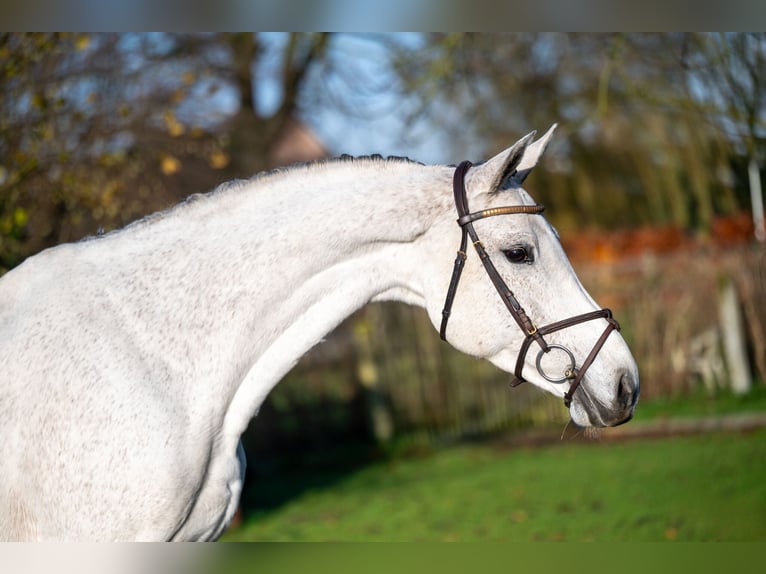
x=379 y=124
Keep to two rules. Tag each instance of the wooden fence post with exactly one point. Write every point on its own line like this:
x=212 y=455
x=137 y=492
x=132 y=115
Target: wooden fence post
x=733 y=337
x=756 y=199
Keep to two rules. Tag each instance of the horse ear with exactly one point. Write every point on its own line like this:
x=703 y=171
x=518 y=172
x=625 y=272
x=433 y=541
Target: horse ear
x=511 y=167
x=532 y=155
x=497 y=172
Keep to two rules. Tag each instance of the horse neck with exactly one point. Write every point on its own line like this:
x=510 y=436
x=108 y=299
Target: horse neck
x=283 y=259
x=336 y=227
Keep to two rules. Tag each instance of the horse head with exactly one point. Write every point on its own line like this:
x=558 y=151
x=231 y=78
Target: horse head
x=514 y=299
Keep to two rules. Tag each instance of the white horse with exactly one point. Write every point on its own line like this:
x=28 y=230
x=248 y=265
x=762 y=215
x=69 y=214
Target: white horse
x=131 y=363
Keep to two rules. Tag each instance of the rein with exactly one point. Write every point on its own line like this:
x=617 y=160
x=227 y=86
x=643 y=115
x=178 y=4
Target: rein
x=572 y=374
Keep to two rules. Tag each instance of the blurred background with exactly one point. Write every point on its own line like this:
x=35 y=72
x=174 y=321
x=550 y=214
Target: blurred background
x=653 y=181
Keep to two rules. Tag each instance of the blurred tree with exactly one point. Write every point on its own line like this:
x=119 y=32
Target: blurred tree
x=636 y=149
x=727 y=78
x=97 y=130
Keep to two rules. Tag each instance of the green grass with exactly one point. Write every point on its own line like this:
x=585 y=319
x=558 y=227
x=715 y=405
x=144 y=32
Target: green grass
x=701 y=403
x=700 y=488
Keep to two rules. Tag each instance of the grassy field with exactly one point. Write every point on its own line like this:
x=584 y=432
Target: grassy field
x=699 y=488
x=700 y=403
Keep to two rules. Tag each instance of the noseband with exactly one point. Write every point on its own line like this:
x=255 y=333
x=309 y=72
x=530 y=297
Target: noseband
x=573 y=373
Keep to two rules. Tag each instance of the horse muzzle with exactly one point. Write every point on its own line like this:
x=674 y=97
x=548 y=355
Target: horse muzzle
x=588 y=410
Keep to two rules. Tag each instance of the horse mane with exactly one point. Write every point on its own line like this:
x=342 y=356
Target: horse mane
x=375 y=158
x=240 y=183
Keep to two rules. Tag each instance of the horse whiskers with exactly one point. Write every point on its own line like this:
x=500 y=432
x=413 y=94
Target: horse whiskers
x=566 y=426
x=592 y=433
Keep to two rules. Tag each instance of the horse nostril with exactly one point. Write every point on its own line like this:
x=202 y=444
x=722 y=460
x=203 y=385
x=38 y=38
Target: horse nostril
x=627 y=391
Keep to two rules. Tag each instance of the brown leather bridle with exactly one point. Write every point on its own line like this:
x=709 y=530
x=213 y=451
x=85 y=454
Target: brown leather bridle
x=573 y=374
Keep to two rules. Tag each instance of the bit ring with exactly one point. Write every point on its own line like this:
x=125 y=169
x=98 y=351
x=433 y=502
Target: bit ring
x=569 y=372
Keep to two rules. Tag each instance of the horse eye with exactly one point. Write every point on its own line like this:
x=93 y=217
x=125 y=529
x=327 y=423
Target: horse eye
x=518 y=254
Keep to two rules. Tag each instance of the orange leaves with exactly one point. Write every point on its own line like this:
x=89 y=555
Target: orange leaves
x=169 y=164
x=611 y=246
x=218 y=159
x=173 y=126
